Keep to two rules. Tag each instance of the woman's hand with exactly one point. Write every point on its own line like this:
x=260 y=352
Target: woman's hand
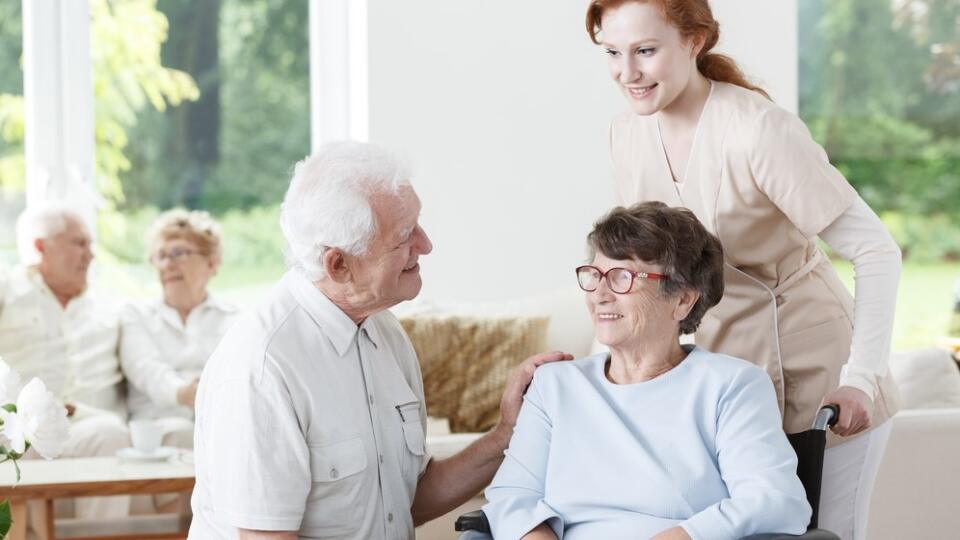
x=855 y=407
x=187 y=394
x=676 y=533
x=540 y=532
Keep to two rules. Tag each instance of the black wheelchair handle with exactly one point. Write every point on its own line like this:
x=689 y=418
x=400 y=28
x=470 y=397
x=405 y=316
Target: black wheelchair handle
x=827 y=416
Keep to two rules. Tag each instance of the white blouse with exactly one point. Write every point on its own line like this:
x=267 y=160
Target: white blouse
x=159 y=353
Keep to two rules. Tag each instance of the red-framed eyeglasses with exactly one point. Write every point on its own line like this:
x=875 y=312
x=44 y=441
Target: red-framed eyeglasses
x=619 y=280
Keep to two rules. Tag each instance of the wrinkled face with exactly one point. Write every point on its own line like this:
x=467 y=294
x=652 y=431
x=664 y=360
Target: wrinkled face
x=643 y=315
x=183 y=269
x=389 y=273
x=65 y=258
x=646 y=55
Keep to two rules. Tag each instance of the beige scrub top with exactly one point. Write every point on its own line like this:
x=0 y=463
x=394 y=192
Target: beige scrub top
x=758 y=181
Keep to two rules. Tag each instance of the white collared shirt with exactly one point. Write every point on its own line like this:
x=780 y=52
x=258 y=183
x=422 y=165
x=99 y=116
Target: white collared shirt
x=160 y=353
x=73 y=350
x=307 y=422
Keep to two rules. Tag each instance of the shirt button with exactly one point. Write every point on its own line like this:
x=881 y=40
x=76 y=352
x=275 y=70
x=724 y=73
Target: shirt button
x=381 y=458
x=334 y=473
x=390 y=517
x=371 y=399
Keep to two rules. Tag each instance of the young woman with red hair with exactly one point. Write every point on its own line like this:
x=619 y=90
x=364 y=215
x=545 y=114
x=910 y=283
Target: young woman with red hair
x=699 y=135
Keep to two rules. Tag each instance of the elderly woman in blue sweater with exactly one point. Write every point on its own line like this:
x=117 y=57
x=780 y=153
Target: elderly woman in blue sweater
x=653 y=439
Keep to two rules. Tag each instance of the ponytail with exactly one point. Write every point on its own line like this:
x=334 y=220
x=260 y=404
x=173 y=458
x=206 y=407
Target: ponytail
x=722 y=68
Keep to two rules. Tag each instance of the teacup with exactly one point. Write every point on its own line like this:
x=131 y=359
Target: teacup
x=145 y=435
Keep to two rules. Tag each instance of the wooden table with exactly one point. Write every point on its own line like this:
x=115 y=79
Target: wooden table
x=44 y=481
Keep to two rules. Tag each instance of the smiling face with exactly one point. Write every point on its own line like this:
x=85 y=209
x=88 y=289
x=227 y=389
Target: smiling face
x=65 y=259
x=642 y=316
x=184 y=271
x=389 y=272
x=647 y=57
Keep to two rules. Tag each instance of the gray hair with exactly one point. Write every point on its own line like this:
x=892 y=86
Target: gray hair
x=196 y=226
x=328 y=202
x=42 y=220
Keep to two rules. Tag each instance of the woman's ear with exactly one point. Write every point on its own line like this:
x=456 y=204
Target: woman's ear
x=214 y=262
x=687 y=299
x=696 y=45
x=335 y=265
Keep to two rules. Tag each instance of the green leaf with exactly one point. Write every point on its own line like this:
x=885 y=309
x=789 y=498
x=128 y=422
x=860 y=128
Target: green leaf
x=10 y=407
x=6 y=520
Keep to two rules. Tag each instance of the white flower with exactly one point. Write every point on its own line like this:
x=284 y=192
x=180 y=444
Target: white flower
x=39 y=420
x=9 y=383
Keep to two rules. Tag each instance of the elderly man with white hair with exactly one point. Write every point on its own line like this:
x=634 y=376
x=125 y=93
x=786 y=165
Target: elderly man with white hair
x=52 y=328
x=311 y=413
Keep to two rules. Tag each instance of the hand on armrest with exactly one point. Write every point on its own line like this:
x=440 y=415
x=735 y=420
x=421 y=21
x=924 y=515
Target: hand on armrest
x=540 y=532
x=674 y=533
x=247 y=534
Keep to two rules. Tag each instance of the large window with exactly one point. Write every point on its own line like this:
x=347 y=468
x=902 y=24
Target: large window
x=202 y=105
x=880 y=90
x=12 y=174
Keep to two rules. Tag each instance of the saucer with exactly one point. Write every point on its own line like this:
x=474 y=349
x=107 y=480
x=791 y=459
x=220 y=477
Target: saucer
x=162 y=453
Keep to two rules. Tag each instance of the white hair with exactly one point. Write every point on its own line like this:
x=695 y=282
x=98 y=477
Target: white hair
x=41 y=221
x=328 y=202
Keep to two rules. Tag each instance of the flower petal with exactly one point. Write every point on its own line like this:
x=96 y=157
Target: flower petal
x=14 y=432
x=45 y=421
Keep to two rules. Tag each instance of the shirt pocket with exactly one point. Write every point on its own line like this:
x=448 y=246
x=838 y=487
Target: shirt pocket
x=414 y=447
x=337 y=496
x=21 y=328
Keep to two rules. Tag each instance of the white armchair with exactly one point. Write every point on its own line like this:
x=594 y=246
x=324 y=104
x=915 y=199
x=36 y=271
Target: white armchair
x=918 y=486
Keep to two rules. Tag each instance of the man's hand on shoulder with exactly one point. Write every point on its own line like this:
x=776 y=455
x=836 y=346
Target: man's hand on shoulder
x=517 y=383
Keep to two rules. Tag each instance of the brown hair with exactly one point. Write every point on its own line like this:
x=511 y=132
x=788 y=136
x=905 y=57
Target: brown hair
x=694 y=20
x=673 y=238
x=195 y=226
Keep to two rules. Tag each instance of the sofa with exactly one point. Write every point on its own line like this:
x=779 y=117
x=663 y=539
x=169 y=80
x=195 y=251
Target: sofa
x=919 y=479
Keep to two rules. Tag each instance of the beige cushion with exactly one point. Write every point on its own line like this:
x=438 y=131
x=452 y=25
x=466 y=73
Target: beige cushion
x=465 y=361
x=927 y=378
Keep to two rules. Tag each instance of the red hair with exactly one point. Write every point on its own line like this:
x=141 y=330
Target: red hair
x=694 y=20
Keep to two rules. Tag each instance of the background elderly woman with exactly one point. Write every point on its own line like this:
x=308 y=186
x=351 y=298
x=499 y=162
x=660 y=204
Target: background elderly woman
x=165 y=343
x=652 y=439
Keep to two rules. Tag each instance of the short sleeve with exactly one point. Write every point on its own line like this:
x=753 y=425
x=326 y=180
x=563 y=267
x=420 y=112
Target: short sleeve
x=258 y=459
x=793 y=171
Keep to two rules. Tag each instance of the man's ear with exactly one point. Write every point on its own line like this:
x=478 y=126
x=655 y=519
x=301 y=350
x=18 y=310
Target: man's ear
x=335 y=265
x=38 y=245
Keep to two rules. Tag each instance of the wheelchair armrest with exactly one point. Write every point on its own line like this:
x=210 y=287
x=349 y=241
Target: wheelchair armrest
x=473 y=521
x=811 y=534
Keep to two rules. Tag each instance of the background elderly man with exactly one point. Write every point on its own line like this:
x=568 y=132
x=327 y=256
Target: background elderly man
x=310 y=413
x=51 y=327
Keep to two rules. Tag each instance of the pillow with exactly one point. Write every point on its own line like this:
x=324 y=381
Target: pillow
x=465 y=362
x=927 y=378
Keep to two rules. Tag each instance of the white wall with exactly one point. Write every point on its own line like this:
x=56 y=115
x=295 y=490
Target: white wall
x=503 y=106
x=761 y=35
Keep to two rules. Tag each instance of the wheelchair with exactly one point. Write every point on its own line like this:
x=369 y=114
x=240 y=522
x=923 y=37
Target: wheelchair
x=809 y=446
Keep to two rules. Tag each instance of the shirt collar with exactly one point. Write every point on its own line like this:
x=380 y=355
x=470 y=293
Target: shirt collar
x=338 y=327
x=170 y=315
x=31 y=279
